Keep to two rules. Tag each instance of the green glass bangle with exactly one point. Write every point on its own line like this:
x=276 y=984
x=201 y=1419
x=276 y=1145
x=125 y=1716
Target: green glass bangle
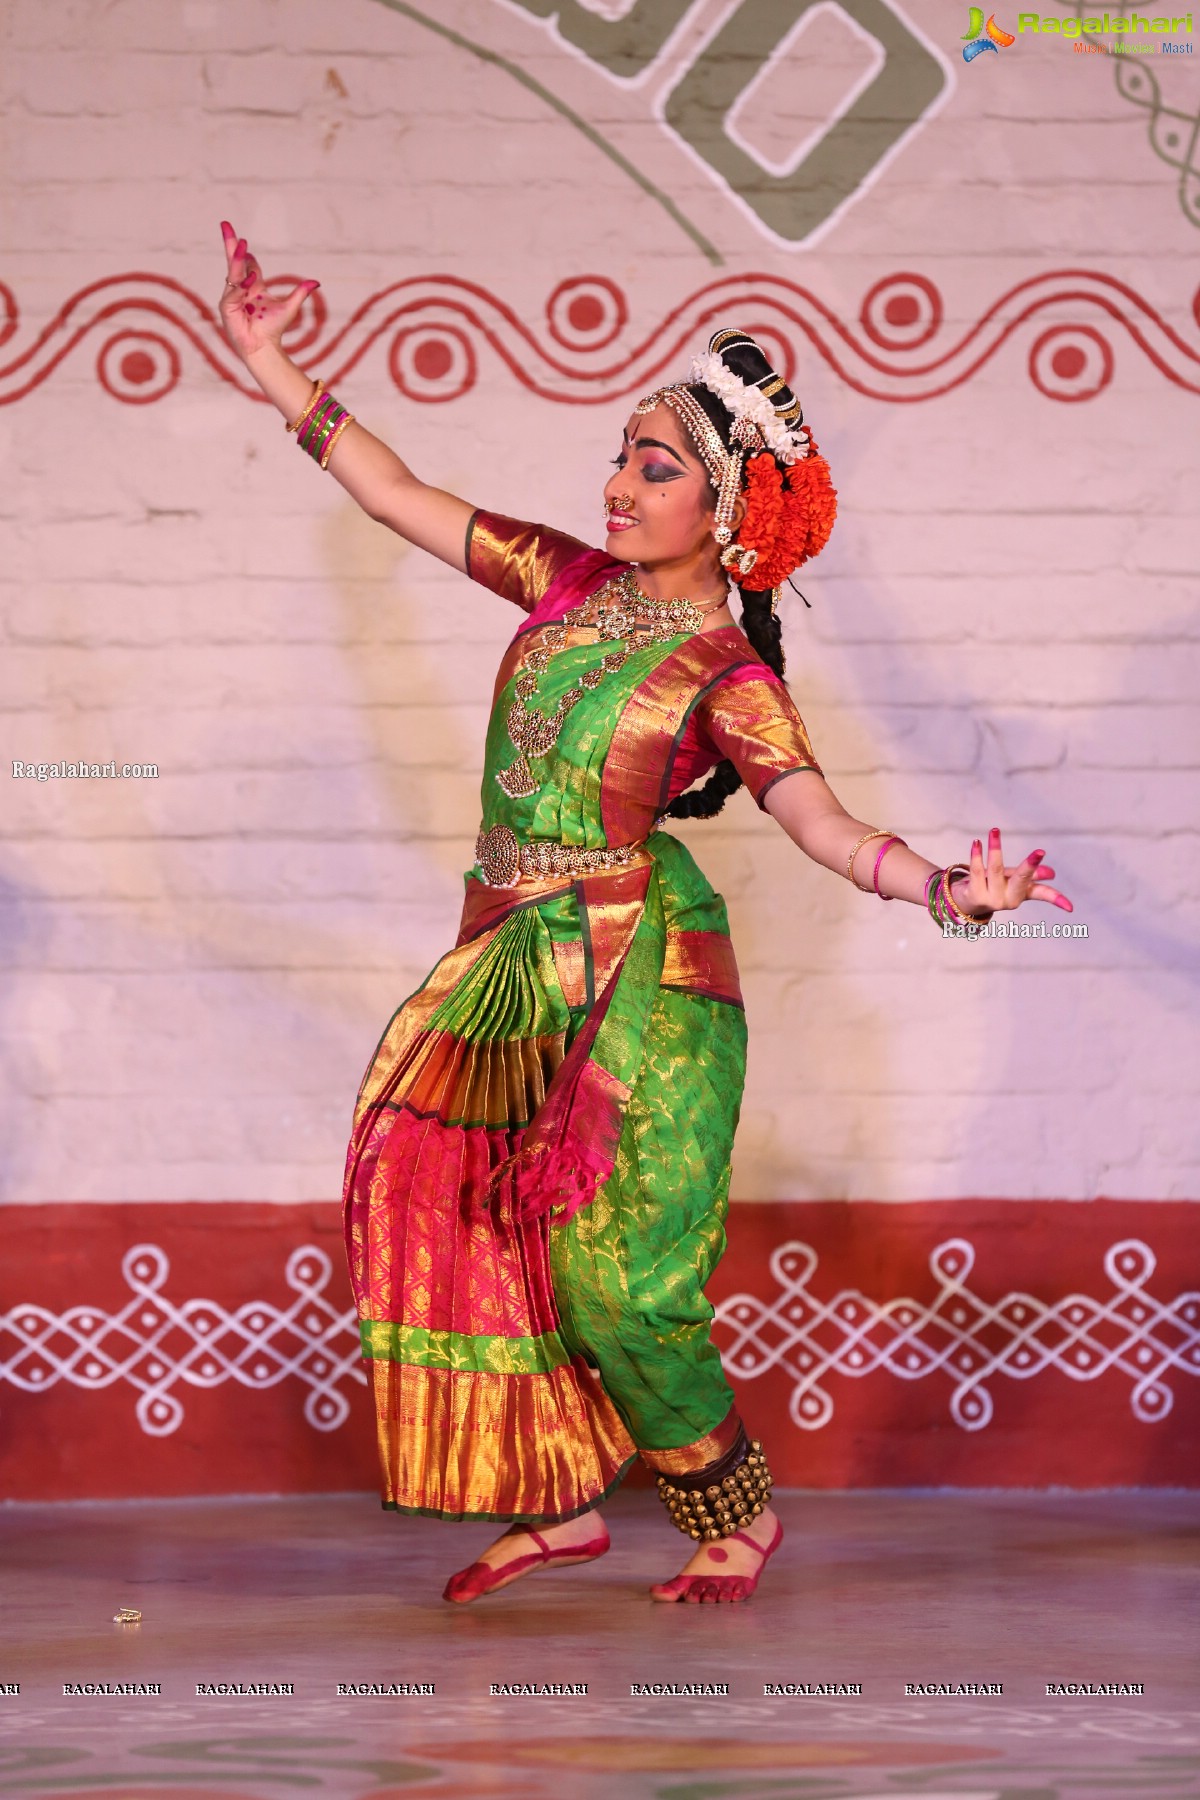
x=318 y=423
x=327 y=434
x=931 y=895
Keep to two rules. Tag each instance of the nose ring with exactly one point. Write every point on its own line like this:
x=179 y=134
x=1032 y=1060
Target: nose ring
x=622 y=503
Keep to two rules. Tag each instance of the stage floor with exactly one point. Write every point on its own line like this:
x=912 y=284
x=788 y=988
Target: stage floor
x=875 y=1589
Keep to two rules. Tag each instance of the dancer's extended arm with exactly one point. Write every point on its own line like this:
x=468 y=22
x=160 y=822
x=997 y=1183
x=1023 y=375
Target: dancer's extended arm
x=371 y=473
x=815 y=819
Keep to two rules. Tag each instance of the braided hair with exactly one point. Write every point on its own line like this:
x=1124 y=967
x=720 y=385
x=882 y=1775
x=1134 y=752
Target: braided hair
x=743 y=358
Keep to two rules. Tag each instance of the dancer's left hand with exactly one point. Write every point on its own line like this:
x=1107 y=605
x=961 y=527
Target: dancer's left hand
x=992 y=887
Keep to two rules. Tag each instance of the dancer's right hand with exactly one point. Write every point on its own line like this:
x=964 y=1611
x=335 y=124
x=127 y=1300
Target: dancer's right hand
x=252 y=316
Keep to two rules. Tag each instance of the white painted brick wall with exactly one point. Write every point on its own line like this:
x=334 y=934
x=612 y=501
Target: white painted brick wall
x=1003 y=629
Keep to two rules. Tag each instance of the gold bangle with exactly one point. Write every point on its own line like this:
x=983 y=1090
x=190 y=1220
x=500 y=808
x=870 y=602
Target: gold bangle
x=866 y=837
x=950 y=875
x=312 y=401
x=337 y=432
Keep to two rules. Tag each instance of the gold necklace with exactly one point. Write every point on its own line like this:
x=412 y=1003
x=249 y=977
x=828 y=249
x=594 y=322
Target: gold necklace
x=623 y=616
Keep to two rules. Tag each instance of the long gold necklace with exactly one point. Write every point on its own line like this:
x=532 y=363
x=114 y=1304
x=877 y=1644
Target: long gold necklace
x=623 y=616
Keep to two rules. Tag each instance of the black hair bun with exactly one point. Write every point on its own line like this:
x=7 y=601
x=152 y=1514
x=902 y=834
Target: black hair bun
x=744 y=358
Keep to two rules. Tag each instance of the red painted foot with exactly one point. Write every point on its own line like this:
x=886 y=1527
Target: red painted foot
x=699 y=1588
x=481 y=1578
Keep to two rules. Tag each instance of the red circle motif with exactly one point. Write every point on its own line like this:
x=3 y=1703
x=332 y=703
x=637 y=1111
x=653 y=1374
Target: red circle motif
x=892 y=312
x=585 y=312
x=432 y=359
x=137 y=367
x=901 y=309
x=432 y=363
x=1077 y=369
x=1068 y=362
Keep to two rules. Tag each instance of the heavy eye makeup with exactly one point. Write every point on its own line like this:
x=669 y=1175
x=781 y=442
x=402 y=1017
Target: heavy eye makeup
x=651 y=471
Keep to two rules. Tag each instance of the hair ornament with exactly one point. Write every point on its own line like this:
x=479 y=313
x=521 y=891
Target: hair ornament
x=754 y=416
x=789 y=515
x=739 y=559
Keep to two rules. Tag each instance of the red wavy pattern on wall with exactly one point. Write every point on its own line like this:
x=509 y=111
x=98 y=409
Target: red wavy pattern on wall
x=154 y=1349
x=433 y=330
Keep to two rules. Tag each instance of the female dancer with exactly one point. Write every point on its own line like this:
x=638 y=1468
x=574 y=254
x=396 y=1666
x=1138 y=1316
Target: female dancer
x=537 y=1178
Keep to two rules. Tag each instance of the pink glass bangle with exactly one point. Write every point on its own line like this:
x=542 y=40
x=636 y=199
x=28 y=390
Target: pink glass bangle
x=311 y=435
x=878 y=860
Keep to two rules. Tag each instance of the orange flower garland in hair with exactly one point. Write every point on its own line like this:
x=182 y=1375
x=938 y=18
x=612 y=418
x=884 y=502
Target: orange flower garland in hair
x=789 y=515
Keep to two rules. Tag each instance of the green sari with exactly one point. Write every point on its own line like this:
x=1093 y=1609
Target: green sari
x=537 y=1180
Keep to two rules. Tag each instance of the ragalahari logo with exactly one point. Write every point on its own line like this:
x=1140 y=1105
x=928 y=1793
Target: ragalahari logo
x=995 y=39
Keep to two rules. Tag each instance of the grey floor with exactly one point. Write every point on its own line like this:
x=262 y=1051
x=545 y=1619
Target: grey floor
x=878 y=1589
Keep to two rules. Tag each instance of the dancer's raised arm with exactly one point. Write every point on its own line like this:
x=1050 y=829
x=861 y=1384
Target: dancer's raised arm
x=371 y=473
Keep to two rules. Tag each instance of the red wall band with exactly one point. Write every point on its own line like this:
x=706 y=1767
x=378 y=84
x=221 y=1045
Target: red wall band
x=203 y=1348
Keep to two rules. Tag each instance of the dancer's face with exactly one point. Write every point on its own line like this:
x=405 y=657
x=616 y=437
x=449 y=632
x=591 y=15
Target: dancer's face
x=661 y=504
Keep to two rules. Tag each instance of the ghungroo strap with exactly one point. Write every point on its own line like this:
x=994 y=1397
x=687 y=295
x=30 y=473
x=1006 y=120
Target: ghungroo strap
x=719 y=1500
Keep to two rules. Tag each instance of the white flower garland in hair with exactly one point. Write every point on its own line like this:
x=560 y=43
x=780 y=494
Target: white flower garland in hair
x=747 y=402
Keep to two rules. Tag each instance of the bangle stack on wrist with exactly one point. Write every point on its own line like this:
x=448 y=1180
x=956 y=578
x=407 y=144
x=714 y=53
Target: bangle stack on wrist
x=321 y=424
x=944 y=908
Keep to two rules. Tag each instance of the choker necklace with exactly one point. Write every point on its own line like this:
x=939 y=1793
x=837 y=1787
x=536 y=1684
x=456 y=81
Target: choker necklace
x=620 y=614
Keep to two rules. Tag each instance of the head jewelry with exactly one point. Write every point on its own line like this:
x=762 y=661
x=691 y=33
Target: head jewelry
x=770 y=453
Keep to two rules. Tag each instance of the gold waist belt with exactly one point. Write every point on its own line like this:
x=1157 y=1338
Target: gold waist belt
x=504 y=859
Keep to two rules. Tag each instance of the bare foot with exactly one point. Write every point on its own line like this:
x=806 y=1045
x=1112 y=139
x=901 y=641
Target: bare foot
x=728 y=1570
x=523 y=1548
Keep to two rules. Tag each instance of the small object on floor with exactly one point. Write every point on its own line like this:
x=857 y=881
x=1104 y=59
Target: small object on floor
x=127 y=1615
x=481 y=1578
x=689 y=1587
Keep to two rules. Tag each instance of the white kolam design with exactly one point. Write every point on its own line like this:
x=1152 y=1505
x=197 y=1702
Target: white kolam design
x=961 y=1336
x=156 y=1344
